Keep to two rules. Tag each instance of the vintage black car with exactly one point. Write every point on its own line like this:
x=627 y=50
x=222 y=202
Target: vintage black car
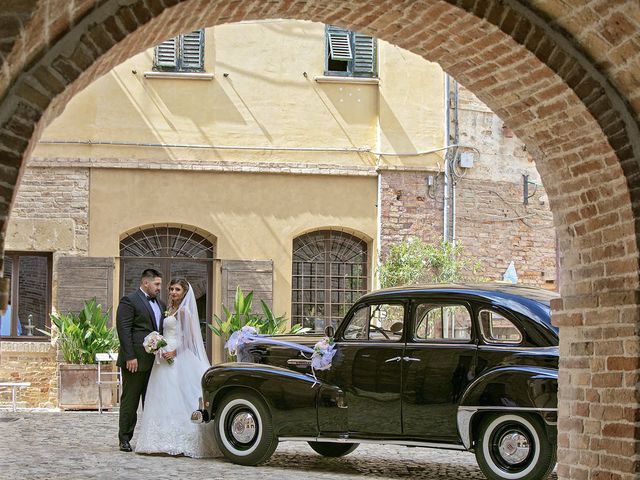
x=466 y=367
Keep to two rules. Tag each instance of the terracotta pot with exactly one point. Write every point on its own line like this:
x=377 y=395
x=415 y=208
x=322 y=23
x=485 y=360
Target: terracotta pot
x=77 y=388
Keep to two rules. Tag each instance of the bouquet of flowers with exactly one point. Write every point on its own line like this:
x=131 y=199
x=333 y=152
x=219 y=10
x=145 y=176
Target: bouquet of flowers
x=155 y=343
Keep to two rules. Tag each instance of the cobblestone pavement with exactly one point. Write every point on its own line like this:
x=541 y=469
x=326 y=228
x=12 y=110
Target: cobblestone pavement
x=83 y=445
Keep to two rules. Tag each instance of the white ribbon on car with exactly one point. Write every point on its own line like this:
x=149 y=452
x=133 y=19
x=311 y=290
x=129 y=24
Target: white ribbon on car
x=321 y=354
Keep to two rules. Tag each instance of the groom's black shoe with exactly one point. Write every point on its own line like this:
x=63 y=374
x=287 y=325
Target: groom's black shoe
x=125 y=446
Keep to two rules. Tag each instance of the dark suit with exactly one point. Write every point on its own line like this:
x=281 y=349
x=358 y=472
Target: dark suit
x=134 y=321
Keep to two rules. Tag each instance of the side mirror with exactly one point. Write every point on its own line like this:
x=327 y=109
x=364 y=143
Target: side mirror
x=329 y=331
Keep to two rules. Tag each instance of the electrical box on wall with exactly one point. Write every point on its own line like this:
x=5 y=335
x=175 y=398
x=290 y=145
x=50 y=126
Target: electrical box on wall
x=466 y=160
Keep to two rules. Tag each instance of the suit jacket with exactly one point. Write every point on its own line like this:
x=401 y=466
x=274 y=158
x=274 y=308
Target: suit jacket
x=134 y=321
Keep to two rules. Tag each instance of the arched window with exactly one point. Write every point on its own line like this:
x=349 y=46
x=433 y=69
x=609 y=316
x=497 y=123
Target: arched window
x=329 y=275
x=175 y=251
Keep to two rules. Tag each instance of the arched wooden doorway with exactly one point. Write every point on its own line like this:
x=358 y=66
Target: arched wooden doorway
x=175 y=251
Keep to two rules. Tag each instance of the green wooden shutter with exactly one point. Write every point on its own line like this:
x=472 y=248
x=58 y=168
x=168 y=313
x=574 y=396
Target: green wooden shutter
x=339 y=43
x=191 y=50
x=167 y=54
x=365 y=54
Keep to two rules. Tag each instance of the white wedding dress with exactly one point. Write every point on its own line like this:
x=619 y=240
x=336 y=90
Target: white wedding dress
x=172 y=394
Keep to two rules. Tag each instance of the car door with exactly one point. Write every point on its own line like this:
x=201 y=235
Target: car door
x=368 y=368
x=439 y=363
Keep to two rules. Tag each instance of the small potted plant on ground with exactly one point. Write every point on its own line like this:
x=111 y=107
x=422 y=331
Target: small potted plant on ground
x=79 y=336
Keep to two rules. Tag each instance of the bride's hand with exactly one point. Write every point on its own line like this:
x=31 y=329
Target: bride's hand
x=168 y=355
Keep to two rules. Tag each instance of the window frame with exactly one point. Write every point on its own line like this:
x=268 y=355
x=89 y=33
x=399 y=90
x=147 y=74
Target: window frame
x=441 y=341
x=370 y=304
x=297 y=288
x=488 y=341
x=351 y=71
x=14 y=257
x=179 y=66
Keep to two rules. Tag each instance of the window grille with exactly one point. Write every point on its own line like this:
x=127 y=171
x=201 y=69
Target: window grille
x=350 y=53
x=329 y=275
x=184 y=53
x=166 y=242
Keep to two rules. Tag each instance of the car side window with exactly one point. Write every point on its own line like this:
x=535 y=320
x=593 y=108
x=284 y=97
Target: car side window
x=442 y=322
x=495 y=328
x=377 y=323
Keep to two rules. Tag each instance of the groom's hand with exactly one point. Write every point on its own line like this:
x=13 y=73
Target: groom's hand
x=132 y=365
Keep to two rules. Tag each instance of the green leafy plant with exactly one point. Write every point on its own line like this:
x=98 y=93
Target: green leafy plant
x=80 y=336
x=414 y=261
x=266 y=323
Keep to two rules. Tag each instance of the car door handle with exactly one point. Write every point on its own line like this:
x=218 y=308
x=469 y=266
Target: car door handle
x=410 y=359
x=394 y=359
x=299 y=362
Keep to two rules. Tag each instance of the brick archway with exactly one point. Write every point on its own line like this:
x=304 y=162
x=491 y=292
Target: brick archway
x=565 y=78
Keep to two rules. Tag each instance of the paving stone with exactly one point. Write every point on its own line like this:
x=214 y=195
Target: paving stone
x=81 y=445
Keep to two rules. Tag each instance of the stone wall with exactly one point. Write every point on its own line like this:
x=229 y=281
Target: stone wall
x=33 y=362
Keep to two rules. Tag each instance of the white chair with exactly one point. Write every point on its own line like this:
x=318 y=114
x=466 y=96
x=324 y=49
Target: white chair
x=108 y=377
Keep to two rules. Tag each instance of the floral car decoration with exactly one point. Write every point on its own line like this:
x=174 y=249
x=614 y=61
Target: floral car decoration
x=321 y=354
x=464 y=367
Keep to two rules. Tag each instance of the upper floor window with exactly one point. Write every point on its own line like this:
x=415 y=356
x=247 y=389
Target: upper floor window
x=350 y=54
x=184 y=53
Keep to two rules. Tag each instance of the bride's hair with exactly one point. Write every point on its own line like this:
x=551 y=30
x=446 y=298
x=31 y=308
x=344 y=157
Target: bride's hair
x=182 y=282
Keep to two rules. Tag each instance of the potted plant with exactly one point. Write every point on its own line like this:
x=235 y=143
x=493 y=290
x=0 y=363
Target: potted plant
x=79 y=336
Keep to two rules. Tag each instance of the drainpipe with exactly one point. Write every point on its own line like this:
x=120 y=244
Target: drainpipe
x=454 y=154
x=445 y=191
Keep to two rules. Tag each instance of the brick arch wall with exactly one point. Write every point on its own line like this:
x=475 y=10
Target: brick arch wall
x=565 y=77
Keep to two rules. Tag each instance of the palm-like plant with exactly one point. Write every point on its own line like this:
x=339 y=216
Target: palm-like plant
x=80 y=336
x=266 y=323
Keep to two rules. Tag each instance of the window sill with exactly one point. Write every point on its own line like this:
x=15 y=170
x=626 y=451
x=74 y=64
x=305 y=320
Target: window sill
x=355 y=80
x=180 y=75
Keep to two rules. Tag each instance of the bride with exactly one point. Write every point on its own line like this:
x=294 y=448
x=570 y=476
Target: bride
x=174 y=388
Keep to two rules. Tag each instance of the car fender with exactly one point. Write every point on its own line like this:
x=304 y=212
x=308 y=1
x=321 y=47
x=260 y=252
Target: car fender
x=512 y=388
x=291 y=396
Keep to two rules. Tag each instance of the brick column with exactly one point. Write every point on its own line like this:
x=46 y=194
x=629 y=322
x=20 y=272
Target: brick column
x=598 y=397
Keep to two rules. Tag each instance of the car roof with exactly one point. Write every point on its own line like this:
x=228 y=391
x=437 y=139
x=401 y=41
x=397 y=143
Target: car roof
x=532 y=302
x=489 y=290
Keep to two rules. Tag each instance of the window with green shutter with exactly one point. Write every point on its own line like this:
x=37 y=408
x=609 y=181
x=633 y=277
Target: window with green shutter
x=350 y=54
x=184 y=53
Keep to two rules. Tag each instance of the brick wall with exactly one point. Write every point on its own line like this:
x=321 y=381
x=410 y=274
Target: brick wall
x=56 y=193
x=491 y=221
x=49 y=194
x=33 y=362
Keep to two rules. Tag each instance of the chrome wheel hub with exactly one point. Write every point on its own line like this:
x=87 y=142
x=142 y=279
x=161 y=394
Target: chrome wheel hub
x=243 y=427
x=514 y=448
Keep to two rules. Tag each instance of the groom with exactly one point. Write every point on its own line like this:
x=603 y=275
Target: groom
x=139 y=314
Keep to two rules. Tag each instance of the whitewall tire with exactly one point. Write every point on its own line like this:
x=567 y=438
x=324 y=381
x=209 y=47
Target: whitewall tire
x=243 y=428
x=514 y=447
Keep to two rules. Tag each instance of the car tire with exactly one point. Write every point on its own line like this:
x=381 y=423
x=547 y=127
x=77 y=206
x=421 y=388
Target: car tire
x=244 y=429
x=330 y=449
x=514 y=447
